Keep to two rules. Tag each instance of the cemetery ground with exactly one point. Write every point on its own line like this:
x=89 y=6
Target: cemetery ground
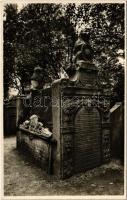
x=23 y=178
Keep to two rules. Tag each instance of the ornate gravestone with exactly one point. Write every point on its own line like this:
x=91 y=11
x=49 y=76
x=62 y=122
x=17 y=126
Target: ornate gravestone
x=77 y=114
x=81 y=124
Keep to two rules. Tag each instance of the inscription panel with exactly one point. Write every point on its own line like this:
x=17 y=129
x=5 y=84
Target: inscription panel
x=87 y=139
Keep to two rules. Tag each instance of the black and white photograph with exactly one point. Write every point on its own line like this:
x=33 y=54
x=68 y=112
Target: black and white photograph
x=64 y=78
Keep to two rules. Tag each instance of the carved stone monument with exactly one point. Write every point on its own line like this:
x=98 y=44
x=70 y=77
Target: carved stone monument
x=81 y=122
x=78 y=116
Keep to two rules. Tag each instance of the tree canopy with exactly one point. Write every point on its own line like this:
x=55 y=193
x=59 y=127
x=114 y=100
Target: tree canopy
x=44 y=35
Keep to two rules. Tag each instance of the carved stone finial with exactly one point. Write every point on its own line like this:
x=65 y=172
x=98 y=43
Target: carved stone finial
x=83 y=73
x=37 y=78
x=82 y=49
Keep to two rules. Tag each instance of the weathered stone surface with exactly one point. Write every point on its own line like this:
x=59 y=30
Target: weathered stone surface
x=34 y=147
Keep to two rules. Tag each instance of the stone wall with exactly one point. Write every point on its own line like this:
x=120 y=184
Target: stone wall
x=10 y=113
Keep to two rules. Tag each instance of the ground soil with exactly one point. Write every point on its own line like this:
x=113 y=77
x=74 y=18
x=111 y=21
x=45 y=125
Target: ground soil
x=23 y=178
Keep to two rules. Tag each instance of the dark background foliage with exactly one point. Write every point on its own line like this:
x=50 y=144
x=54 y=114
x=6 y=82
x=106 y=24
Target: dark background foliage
x=44 y=35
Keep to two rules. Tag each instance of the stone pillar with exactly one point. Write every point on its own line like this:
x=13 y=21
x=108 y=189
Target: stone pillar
x=106 y=135
x=20 y=107
x=56 y=118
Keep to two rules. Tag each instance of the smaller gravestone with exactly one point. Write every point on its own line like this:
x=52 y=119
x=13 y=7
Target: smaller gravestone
x=117 y=130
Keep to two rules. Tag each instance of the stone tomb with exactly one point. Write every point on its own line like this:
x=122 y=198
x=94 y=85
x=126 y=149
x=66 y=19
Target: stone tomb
x=78 y=116
x=81 y=123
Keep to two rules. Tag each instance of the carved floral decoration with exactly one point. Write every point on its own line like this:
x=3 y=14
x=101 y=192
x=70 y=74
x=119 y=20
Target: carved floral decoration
x=71 y=105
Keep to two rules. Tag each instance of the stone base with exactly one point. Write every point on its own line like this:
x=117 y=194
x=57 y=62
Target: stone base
x=84 y=73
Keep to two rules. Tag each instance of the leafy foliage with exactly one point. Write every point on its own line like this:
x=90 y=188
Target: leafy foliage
x=10 y=29
x=44 y=35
